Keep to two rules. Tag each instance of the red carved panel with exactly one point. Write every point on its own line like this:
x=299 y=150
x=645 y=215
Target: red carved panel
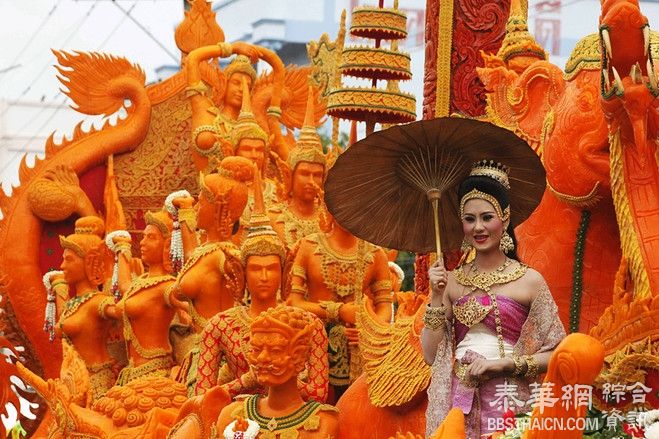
x=478 y=25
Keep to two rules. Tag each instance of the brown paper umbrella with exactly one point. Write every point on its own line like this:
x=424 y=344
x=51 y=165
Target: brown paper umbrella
x=385 y=188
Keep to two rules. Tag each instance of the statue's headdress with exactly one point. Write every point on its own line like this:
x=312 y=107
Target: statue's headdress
x=261 y=238
x=246 y=126
x=294 y=323
x=308 y=147
x=240 y=64
x=518 y=41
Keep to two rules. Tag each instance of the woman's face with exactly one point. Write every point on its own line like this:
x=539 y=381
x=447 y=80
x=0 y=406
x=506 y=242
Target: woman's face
x=73 y=267
x=481 y=225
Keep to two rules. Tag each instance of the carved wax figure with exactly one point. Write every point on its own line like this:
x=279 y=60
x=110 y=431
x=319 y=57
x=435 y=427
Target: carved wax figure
x=330 y=274
x=81 y=323
x=211 y=126
x=279 y=347
x=249 y=140
x=299 y=217
x=227 y=334
x=492 y=323
x=212 y=279
x=143 y=308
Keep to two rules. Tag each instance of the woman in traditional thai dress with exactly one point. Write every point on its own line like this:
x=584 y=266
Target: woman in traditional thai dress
x=491 y=324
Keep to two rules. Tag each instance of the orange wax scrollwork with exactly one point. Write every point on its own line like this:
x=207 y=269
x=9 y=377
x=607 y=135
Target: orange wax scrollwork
x=279 y=347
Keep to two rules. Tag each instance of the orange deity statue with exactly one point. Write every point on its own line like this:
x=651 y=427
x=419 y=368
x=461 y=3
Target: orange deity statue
x=211 y=280
x=249 y=140
x=331 y=273
x=143 y=310
x=280 y=343
x=80 y=320
x=227 y=333
x=299 y=216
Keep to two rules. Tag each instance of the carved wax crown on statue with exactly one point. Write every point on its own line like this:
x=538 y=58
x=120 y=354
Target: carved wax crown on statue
x=261 y=238
x=493 y=170
x=518 y=41
x=246 y=126
x=308 y=148
x=240 y=64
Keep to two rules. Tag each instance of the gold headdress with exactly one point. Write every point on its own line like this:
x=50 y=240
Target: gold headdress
x=261 y=239
x=518 y=41
x=308 y=147
x=246 y=126
x=240 y=64
x=161 y=220
x=495 y=171
x=87 y=225
x=492 y=169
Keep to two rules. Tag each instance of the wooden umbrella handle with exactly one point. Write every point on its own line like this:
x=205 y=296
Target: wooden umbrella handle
x=435 y=213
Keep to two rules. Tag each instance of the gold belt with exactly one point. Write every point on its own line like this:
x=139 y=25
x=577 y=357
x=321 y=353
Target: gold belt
x=460 y=371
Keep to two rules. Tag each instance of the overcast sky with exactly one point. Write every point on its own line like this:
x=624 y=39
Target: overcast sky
x=30 y=28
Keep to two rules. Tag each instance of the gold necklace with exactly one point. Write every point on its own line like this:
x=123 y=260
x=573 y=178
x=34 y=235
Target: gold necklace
x=485 y=281
x=296 y=228
x=343 y=272
x=72 y=305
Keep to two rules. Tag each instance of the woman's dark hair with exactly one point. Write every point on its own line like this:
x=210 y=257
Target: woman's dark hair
x=491 y=187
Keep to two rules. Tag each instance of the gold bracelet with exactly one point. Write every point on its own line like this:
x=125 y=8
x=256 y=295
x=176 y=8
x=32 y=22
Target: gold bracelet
x=167 y=295
x=380 y=285
x=298 y=271
x=532 y=366
x=225 y=49
x=198 y=89
x=383 y=297
x=435 y=317
x=103 y=305
x=519 y=365
x=298 y=289
x=188 y=217
x=332 y=309
x=58 y=282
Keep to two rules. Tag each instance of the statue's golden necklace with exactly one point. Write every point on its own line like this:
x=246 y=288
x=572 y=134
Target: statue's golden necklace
x=138 y=284
x=72 y=305
x=296 y=228
x=277 y=426
x=343 y=273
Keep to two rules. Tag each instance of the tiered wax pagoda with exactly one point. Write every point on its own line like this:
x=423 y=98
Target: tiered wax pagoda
x=372 y=104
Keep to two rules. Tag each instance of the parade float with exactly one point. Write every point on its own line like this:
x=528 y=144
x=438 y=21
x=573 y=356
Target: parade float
x=154 y=274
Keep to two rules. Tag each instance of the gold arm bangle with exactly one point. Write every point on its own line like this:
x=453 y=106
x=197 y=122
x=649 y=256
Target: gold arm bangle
x=384 y=284
x=197 y=89
x=532 y=367
x=382 y=298
x=519 y=365
x=299 y=272
x=435 y=317
x=103 y=305
x=225 y=49
x=188 y=217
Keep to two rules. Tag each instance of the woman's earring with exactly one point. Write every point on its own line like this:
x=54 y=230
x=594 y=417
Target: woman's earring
x=466 y=245
x=506 y=245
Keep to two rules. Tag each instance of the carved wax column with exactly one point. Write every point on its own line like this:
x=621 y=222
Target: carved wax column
x=456 y=32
